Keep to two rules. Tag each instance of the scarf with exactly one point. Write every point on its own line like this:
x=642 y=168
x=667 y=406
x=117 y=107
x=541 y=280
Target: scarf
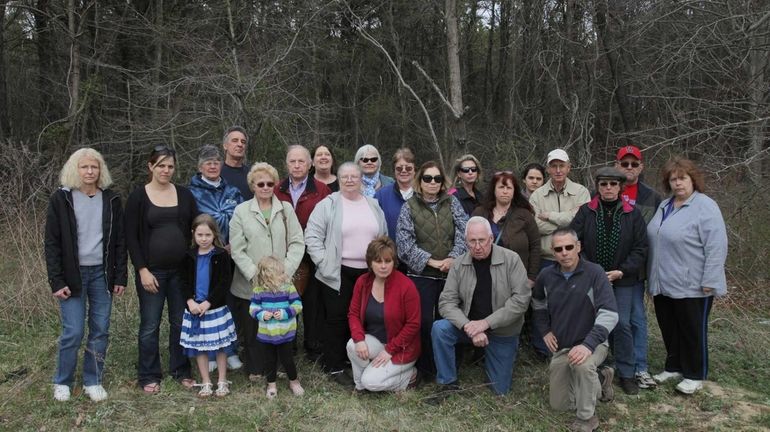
x=607 y=233
x=370 y=183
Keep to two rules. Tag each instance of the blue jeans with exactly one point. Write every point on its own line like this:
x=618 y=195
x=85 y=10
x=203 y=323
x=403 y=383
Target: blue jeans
x=499 y=355
x=621 y=338
x=73 y=319
x=639 y=328
x=150 y=314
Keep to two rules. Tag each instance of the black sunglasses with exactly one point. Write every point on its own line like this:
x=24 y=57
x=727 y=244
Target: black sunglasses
x=436 y=178
x=467 y=170
x=407 y=168
x=608 y=183
x=260 y=185
x=162 y=148
x=630 y=164
x=558 y=249
x=371 y=159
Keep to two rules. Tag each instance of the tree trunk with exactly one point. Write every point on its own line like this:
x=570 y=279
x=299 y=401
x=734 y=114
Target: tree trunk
x=455 y=78
x=73 y=74
x=5 y=127
x=611 y=49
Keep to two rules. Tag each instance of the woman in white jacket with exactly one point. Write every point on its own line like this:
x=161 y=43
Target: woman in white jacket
x=688 y=249
x=261 y=226
x=337 y=235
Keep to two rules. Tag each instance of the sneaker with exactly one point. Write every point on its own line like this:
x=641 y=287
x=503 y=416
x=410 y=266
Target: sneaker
x=665 y=376
x=97 y=393
x=585 y=425
x=61 y=392
x=233 y=363
x=605 y=378
x=644 y=380
x=212 y=366
x=272 y=391
x=629 y=386
x=688 y=386
x=342 y=378
x=442 y=393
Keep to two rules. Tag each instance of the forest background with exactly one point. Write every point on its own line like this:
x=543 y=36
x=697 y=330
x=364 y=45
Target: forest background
x=506 y=80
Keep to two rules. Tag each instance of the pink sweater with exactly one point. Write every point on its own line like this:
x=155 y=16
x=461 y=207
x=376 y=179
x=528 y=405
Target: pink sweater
x=359 y=227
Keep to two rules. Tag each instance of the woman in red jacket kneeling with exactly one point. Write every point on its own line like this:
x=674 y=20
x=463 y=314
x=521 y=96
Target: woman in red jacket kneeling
x=384 y=319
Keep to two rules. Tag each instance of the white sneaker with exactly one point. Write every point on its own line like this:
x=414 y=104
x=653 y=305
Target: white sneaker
x=234 y=363
x=212 y=366
x=97 y=393
x=644 y=380
x=665 y=376
x=61 y=392
x=688 y=386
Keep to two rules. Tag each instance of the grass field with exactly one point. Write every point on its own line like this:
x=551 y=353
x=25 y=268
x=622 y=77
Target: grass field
x=738 y=398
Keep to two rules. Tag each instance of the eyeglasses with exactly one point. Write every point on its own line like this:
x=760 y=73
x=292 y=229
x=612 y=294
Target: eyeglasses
x=608 y=183
x=558 y=249
x=467 y=170
x=405 y=168
x=371 y=159
x=497 y=173
x=430 y=179
x=477 y=242
x=630 y=164
x=260 y=185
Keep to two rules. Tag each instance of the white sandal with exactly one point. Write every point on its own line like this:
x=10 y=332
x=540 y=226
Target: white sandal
x=223 y=388
x=206 y=389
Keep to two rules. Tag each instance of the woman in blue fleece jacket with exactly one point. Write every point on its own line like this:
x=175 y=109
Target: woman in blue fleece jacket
x=688 y=249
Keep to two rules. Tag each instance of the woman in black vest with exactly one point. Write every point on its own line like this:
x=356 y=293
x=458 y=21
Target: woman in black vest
x=430 y=234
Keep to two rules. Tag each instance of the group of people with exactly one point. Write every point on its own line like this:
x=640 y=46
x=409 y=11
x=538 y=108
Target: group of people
x=388 y=274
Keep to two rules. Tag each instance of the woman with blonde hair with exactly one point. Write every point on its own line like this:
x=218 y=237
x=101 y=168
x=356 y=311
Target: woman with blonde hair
x=261 y=226
x=85 y=255
x=467 y=172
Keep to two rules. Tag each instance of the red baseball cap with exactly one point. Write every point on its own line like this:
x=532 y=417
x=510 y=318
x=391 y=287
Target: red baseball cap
x=629 y=150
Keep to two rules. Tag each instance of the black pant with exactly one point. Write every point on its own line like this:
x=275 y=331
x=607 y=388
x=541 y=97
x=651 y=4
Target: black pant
x=312 y=315
x=684 y=327
x=336 y=329
x=246 y=327
x=270 y=356
x=429 y=290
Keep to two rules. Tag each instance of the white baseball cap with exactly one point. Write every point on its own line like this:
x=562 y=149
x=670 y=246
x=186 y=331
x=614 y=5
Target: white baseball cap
x=557 y=154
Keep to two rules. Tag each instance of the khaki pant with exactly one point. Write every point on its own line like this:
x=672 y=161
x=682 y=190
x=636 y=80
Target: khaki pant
x=576 y=387
x=388 y=377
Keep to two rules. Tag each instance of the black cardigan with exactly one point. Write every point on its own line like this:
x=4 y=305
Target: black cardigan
x=631 y=253
x=220 y=276
x=138 y=229
x=61 y=242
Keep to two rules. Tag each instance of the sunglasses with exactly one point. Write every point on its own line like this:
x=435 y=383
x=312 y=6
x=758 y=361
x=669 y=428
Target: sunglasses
x=467 y=170
x=260 y=185
x=162 y=148
x=558 y=249
x=608 y=183
x=405 y=168
x=630 y=164
x=429 y=179
x=371 y=159
x=503 y=172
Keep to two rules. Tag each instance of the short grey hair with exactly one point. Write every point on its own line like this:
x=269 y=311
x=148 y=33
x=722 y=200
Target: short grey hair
x=366 y=148
x=299 y=147
x=347 y=165
x=208 y=152
x=564 y=232
x=478 y=220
